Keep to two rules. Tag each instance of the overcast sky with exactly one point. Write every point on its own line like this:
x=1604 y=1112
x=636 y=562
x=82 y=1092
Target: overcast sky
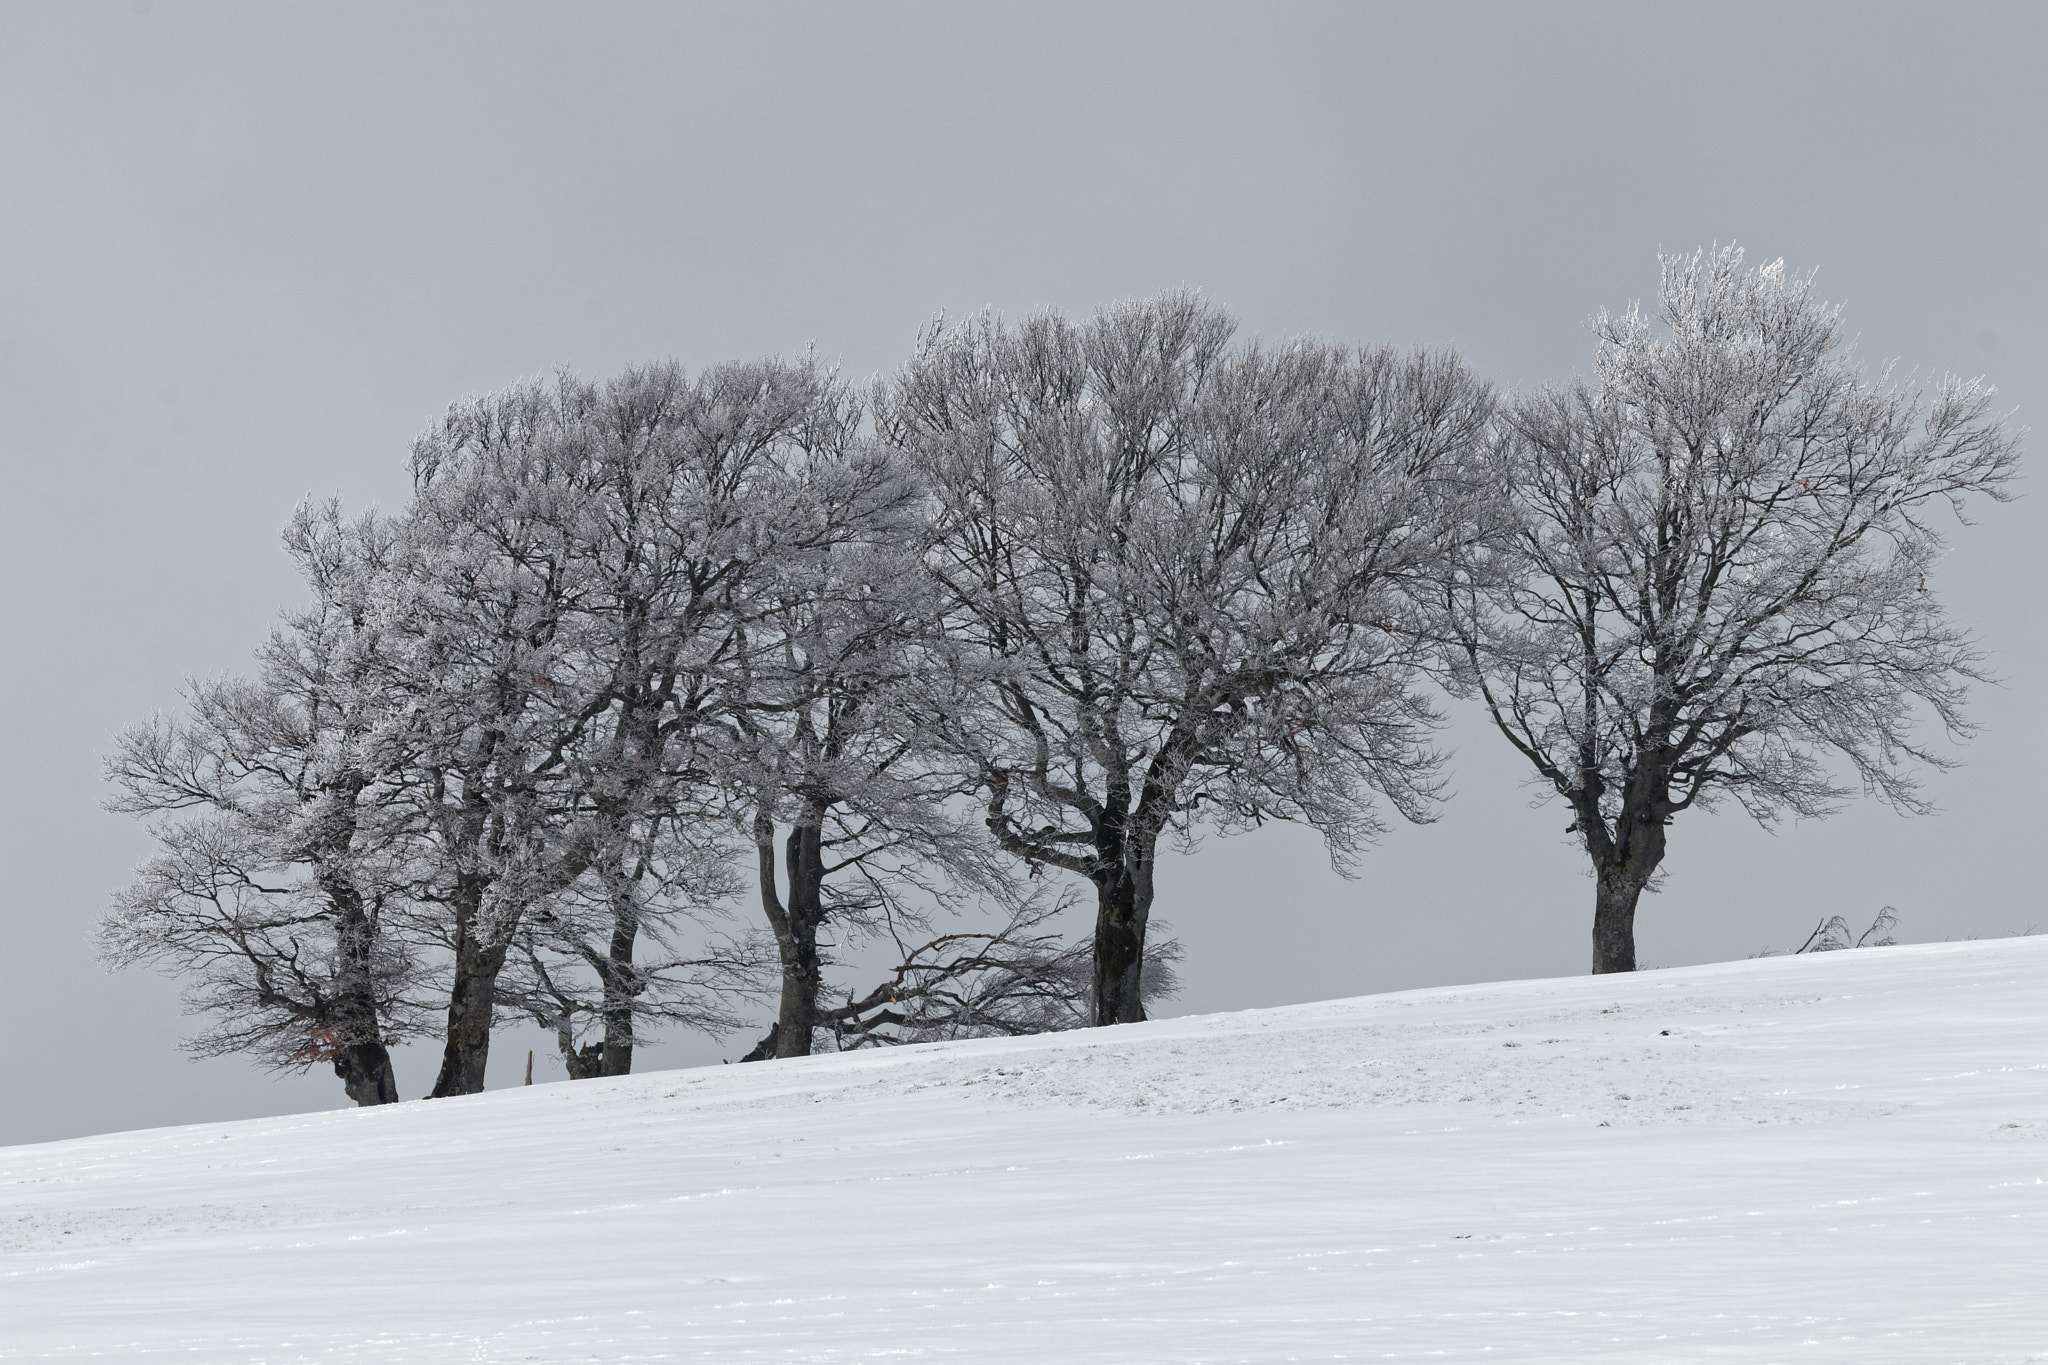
x=246 y=252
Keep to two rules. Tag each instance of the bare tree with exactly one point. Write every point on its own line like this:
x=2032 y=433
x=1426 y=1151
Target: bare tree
x=492 y=692
x=1181 y=580
x=1713 y=574
x=669 y=528
x=283 y=855
x=827 y=747
x=574 y=552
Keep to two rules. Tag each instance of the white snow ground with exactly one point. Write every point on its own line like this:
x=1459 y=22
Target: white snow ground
x=1833 y=1158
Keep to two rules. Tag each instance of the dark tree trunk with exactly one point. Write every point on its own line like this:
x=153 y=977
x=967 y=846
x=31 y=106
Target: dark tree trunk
x=621 y=988
x=1123 y=907
x=470 y=1005
x=360 y=1057
x=802 y=974
x=641 y=744
x=472 y=999
x=796 y=924
x=366 y=1074
x=613 y=1055
x=1614 y=922
x=1625 y=857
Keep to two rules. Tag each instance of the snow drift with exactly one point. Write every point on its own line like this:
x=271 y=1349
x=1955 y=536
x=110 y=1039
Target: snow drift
x=1830 y=1158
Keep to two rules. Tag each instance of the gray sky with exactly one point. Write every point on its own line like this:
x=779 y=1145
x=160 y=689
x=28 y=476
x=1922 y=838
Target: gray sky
x=247 y=251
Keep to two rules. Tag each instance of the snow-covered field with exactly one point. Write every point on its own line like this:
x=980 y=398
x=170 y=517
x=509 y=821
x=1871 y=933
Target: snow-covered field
x=1830 y=1158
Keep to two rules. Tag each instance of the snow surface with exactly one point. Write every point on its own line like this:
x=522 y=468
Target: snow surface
x=1828 y=1158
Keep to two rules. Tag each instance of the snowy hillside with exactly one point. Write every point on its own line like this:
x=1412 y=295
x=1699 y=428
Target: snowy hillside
x=1830 y=1158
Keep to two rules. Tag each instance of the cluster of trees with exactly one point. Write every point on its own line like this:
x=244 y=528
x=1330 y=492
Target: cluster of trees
x=644 y=653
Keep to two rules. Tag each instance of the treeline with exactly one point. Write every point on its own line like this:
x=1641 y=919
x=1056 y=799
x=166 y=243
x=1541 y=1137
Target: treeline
x=661 y=689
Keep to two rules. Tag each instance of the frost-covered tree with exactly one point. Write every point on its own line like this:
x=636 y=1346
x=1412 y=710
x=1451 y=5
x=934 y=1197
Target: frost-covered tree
x=673 y=512
x=284 y=851
x=490 y=689
x=1713 y=575
x=825 y=747
x=1179 y=581
x=575 y=551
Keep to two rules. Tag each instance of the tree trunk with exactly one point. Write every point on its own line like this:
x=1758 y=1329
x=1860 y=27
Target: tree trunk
x=1614 y=921
x=471 y=1001
x=796 y=928
x=802 y=974
x=360 y=1059
x=622 y=987
x=795 y=1022
x=1123 y=907
x=1624 y=860
x=366 y=1074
